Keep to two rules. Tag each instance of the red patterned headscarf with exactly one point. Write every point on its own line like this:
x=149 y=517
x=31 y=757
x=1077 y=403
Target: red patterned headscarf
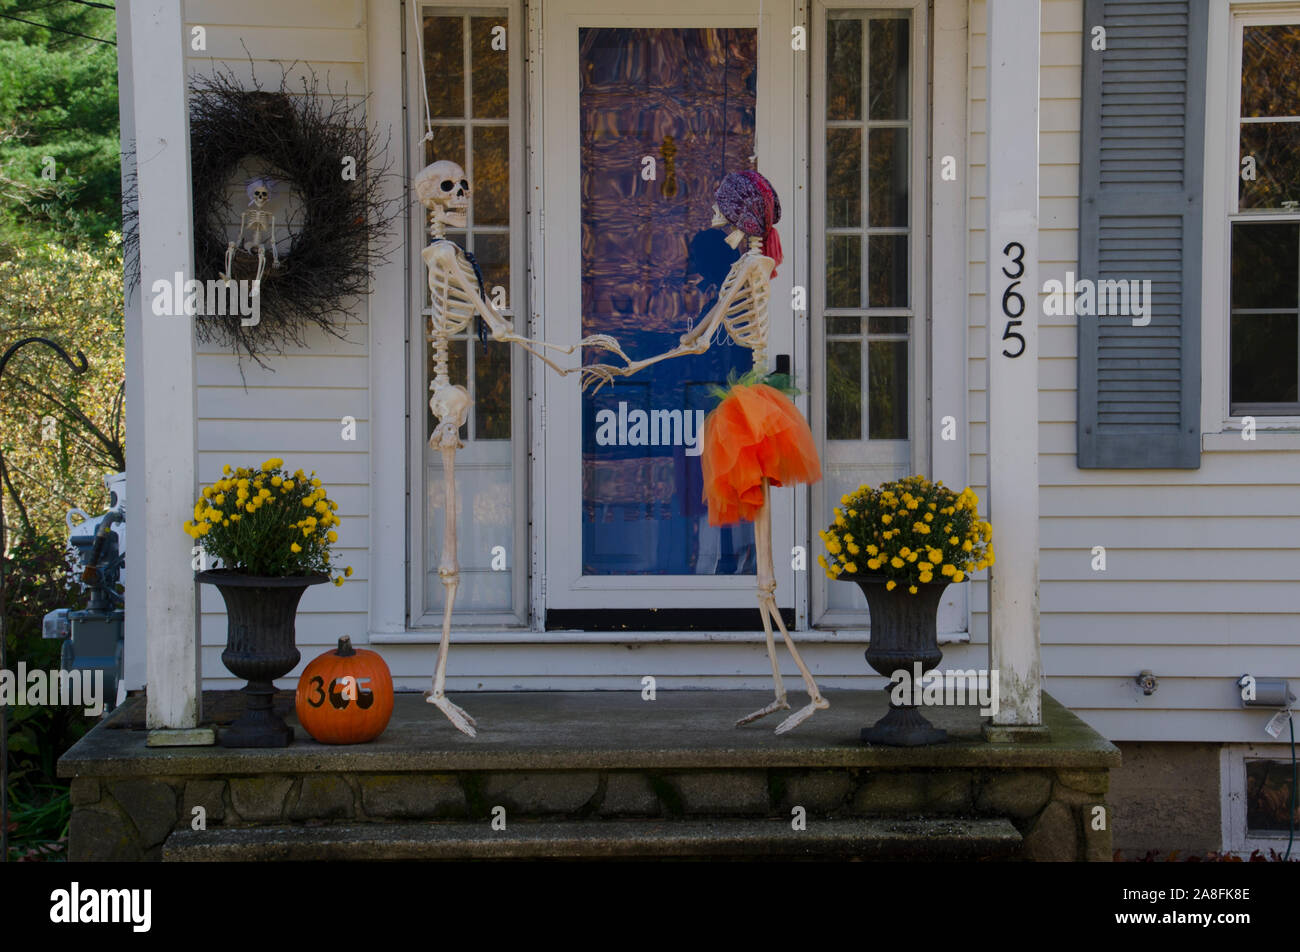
x=748 y=201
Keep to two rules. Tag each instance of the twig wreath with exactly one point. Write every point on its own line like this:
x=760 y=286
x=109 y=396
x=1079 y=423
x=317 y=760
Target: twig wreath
x=318 y=146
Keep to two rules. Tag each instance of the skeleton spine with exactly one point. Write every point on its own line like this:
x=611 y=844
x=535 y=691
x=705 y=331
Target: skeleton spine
x=760 y=345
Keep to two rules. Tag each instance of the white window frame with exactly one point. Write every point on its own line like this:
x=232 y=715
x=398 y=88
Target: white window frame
x=1227 y=21
x=554 y=560
x=1232 y=783
x=418 y=566
x=916 y=454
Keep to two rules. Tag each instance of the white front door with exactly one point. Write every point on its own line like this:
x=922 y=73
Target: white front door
x=641 y=110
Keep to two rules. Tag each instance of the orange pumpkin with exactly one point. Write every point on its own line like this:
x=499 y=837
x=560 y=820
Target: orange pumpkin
x=345 y=696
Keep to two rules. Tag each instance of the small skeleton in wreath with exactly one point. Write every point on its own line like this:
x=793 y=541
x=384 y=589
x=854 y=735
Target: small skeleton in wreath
x=259 y=223
x=756 y=437
x=456 y=298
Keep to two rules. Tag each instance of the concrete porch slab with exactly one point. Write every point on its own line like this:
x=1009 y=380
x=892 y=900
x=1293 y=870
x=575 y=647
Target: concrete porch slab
x=605 y=730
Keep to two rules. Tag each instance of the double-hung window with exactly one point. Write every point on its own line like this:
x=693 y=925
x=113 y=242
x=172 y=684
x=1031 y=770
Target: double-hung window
x=1264 y=359
x=471 y=73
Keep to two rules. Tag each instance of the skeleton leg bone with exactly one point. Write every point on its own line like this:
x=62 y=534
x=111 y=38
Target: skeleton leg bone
x=767 y=608
x=449 y=573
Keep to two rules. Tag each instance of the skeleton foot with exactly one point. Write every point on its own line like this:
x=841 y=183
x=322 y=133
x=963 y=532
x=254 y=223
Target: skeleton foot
x=780 y=704
x=801 y=715
x=458 y=717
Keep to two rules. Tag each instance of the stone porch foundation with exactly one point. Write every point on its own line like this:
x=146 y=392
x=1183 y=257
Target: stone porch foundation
x=600 y=774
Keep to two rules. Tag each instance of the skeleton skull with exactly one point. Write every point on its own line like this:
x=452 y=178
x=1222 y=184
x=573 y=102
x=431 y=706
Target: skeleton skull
x=444 y=189
x=720 y=221
x=259 y=192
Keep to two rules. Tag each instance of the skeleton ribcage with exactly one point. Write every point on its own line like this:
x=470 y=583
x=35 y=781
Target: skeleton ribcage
x=451 y=303
x=453 y=308
x=746 y=316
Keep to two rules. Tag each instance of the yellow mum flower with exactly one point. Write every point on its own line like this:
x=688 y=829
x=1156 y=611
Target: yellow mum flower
x=912 y=589
x=204 y=528
x=958 y=576
x=288 y=483
x=316 y=483
x=338 y=580
x=872 y=550
x=234 y=517
x=277 y=480
x=821 y=560
x=913 y=556
x=929 y=517
x=207 y=492
x=946 y=569
x=854 y=549
x=348 y=571
x=852 y=568
x=250 y=508
x=873 y=564
x=273 y=463
x=925 y=566
x=220 y=499
x=896 y=562
x=927 y=576
x=332 y=536
x=886 y=519
x=295 y=548
x=890 y=585
x=226 y=469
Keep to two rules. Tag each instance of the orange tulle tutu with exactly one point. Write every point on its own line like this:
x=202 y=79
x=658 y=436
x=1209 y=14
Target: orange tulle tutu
x=755 y=432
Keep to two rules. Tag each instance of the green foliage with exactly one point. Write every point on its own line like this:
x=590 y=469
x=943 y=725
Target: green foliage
x=37 y=582
x=58 y=98
x=60 y=433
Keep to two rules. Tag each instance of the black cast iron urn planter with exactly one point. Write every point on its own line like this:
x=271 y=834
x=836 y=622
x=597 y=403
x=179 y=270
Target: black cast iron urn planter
x=904 y=633
x=259 y=648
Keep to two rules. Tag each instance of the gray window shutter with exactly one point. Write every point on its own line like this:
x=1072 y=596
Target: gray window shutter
x=1140 y=178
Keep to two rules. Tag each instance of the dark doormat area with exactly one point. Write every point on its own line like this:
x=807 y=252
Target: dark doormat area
x=219 y=708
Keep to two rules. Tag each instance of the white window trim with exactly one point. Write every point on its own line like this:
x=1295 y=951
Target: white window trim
x=918 y=452
x=1222 y=118
x=393 y=525
x=417 y=619
x=1232 y=784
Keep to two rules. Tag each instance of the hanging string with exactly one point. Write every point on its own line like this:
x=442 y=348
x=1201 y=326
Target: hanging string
x=424 y=80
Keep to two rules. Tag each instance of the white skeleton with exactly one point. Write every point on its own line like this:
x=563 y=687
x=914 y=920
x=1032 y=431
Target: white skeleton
x=456 y=299
x=260 y=224
x=742 y=310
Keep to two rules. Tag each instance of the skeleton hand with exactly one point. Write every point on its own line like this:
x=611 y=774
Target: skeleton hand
x=605 y=342
x=598 y=374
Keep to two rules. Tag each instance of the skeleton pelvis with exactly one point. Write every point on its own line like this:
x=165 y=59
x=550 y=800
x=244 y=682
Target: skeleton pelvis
x=244 y=266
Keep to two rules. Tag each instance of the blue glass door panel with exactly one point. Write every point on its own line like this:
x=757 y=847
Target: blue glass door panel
x=651 y=267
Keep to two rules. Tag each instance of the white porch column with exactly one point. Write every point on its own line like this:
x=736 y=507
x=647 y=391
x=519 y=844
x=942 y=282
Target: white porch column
x=1012 y=362
x=160 y=371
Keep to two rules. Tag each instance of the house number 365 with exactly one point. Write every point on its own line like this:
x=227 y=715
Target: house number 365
x=342 y=691
x=1013 y=304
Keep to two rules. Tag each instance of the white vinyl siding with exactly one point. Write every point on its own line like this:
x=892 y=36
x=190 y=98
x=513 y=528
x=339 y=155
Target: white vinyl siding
x=293 y=408
x=1202 y=580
